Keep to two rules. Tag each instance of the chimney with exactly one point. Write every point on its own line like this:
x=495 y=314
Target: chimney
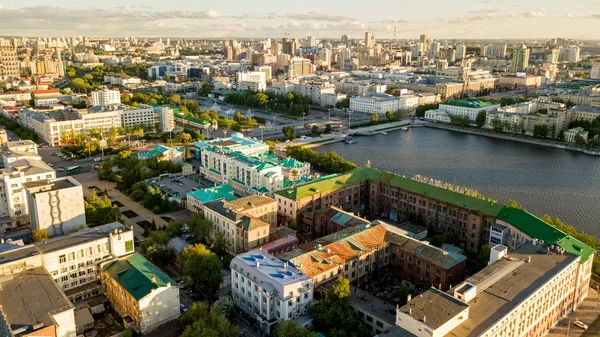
x=424 y=319
x=153 y=279
x=285 y=265
x=256 y=264
x=408 y=298
x=410 y=311
x=528 y=259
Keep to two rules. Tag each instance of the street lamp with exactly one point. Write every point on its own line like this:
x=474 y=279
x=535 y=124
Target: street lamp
x=262 y=133
x=329 y=111
x=304 y=113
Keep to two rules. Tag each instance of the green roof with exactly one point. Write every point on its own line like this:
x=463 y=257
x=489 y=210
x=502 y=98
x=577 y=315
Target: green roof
x=471 y=103
x=191 y=119
x=520 y=219
x=291 y=163
x=537 y=228
x=213 y=193
x=134 y=273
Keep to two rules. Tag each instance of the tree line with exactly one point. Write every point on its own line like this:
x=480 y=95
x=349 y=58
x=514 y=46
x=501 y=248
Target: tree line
x=328 y=162
x=290 y=103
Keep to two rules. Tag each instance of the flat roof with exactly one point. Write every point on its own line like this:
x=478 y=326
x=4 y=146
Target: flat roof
x=435 y=307
x=373 y=304
x=270 y=266
x=29 y=297
x=80 y=237
x=471 y=103
x=57 y=184
x=17 y=254
x=505 y=284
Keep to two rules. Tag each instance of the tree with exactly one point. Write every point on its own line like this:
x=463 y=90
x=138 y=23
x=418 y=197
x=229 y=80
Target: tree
x=202 y=268
x=262 y=99
x=288 y=132
x=238 y=117
x=481 y=116
x=421 y=109
x=540 y=131
x=561 y=135
x=40 y=235
x=496 y=125
x=514 y=204
x=374 y=118
x=341 y=288
x=226 y=306
x=200 y=322
x=328 y=128
x=100 y=211
x=315 y=130
x=175 y=99
x=174 y=228
x=343 y=104
x=579 y=140
x=220 y=244
x=155 y=238
x=291 y=328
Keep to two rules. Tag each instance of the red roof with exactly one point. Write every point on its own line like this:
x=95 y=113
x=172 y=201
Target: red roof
x=49 y=91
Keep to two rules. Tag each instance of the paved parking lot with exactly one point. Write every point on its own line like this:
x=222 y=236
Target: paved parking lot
x=178 y=186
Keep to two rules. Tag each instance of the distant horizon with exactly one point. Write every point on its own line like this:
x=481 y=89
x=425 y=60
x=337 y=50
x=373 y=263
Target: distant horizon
x=465 y=19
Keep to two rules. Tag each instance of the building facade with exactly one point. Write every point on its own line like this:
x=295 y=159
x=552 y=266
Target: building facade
x=269 y=290
x=106 y=97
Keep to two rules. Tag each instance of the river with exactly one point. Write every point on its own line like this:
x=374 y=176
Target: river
x=544 y=180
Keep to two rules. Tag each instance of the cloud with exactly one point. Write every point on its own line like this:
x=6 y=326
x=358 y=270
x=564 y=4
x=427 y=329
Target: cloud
x=534 y=14
x=318 y=17
x=391 y=21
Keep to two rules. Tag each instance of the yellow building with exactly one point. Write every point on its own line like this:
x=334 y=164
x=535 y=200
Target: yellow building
x=141 y=293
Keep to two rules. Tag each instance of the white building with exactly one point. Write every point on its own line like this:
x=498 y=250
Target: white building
x=106 y=97
x=524 y=293
x=56 y=206
x=75 y=261
x=437 y=115
x=13 y=197
x=468 y=107
x=269 y=290
x=252 y=81
x=375 y=103
x=161 y=118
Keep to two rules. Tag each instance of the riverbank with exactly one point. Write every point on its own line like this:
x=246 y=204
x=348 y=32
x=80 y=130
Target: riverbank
x=516 y=138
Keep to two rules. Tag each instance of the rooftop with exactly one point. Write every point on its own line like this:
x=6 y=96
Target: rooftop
x=503 y=285
x=29 y=297
x=435 y=307
x=273 y=268
x=471 y=103
x=213 y=193
x=52 y=185
x=135 y=274
x=373 y=304
x=80 y=237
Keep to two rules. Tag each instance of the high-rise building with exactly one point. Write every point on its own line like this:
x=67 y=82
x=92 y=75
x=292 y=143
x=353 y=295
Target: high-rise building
x=369 y=40
x=595 y=72
x=311 y=41
x=461 y=52
x=9 y=63
x=553 y=56
x=346 y=40
x=520 y=59
x=300 y=66
x=570 y=54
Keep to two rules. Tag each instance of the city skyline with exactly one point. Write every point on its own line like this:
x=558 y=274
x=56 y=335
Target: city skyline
x=488 y=19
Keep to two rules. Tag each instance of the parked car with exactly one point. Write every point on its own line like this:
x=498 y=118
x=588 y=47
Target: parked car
x=50 y=164
x=188 y=237
x=580 y=324
x=60 y=169
x=98 y=159
x=183 y=307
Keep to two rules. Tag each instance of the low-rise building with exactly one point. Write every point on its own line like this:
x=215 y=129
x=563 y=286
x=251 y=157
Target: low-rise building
x=520 y=80
x=583 y=113
x=358 y=253
x=521 y=293
x=437 y=115
x=468 y=107
x=244 y=222
x=571 y=134
x=56 y=206
x=196 y=199
x=141 y=293
x=293 y=169
x=270 y=290
x=162 y=152
x=375 y=103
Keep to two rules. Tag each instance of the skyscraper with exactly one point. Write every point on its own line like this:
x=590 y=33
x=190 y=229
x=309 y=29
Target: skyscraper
x=461 y=52
x=369 y=40
x=346 y=40
x=520 y=59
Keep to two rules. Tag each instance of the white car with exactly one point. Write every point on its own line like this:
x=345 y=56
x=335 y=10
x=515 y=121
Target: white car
x=581 y=324
x=183 y=307
x=98 y=159
x=60 y=169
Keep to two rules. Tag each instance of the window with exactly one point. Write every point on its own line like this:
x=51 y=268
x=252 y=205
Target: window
x=62 y=259
x=129 y=246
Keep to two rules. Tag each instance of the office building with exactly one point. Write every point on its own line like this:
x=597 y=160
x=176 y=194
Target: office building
x=162 y=152
x=520 y=59
x=522 y=293
x=252 y=81
x=270 y=290
x=461 y=52
x=159 y=118
x=140 y=291
x=369 y=40
x=468 y=107
x=195 y=200
x=244 y=222
x=520 y=80
x=55 y=206
x=346 y=40
x=106 y=97
x=9 y=62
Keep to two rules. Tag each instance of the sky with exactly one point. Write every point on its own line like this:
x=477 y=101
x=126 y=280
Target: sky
x=457 y=19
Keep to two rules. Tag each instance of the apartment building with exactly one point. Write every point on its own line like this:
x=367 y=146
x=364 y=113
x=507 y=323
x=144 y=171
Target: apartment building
x=13 y=196
x=300 y=67
x=196 y=199
x=555 y=120
x=244 y=222
x=332 y=219
x=368 y=191
x=252 y=81
x=55 y=206
x=140 y=291
x=106 y=97
x=359 y=88
x=75 y=261
x=583 y=113
x=468 y=107
x=521 y=293
x=270 y=290
x=375 y=103
x=358 y=253
x=9 y=62
x=520 y=80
